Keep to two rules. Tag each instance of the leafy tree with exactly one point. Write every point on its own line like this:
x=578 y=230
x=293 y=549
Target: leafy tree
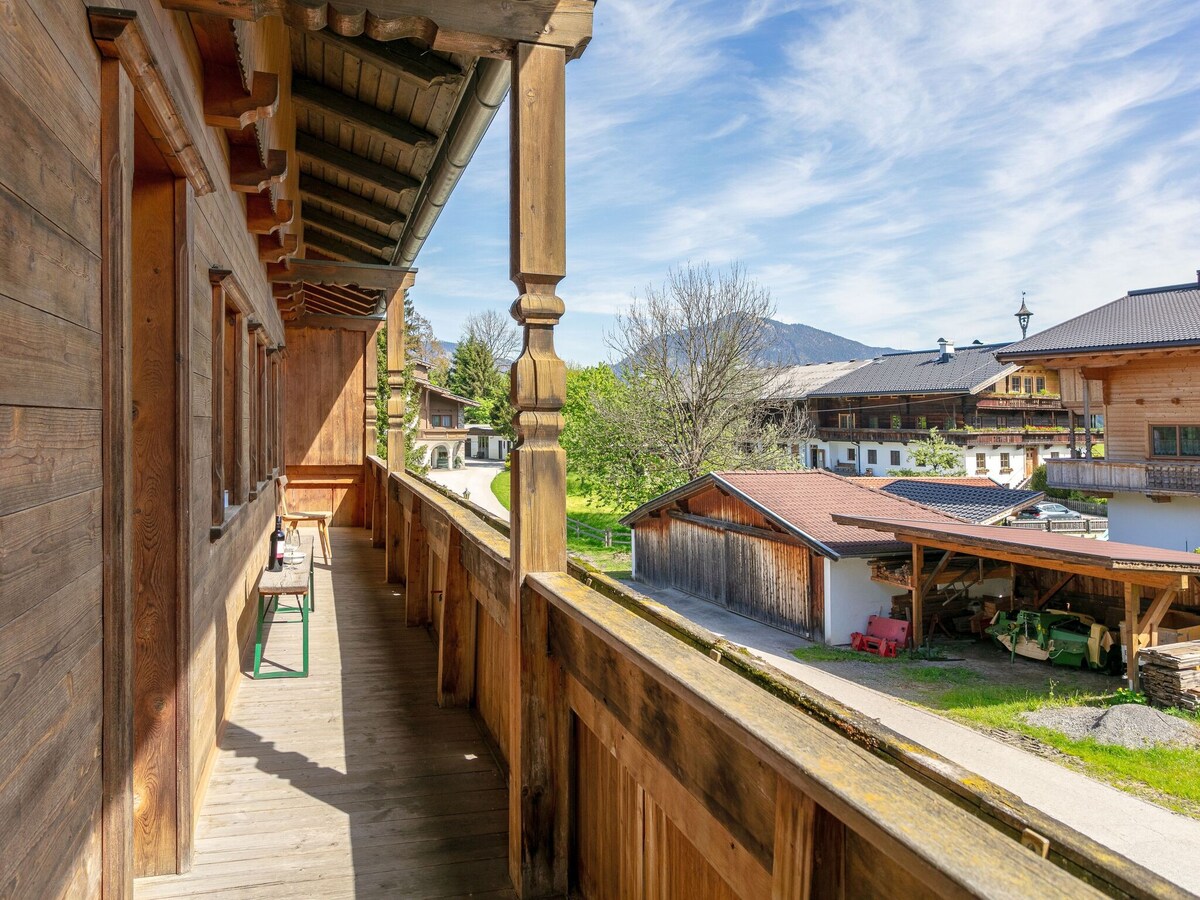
x=420 y=343
x=687 y=395
x=937 y=455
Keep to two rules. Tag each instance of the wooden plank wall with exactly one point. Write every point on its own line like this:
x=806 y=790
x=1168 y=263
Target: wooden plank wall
x=1145 y=393
x=50 y=457
x=778 y=583
x=50 y=446
x=323 y=421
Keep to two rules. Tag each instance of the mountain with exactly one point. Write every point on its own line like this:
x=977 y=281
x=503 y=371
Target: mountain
x=797 y=344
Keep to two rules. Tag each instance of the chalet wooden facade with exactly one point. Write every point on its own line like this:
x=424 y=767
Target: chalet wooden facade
x=210 y=207
x=1006 y=419
x=442 y=434
x=1137 y=362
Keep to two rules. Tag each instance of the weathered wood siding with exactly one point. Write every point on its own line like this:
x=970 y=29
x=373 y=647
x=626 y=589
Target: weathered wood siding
x=773 y=581
x=50 y=453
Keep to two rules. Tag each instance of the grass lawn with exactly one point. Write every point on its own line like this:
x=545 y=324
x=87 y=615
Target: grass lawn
x=971 y=694
x=613 y=561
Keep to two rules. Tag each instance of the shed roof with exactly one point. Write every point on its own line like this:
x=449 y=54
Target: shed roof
x=1154 y=317
x=1037 y=545
x=983 y=505
x=802 y=503
x=968 y=370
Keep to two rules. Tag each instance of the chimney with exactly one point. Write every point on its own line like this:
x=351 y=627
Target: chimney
x=947 y=350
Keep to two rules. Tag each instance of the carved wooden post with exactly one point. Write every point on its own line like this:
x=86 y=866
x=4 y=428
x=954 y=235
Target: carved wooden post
x=395 y=364
x=539 y=746
x=370 y=386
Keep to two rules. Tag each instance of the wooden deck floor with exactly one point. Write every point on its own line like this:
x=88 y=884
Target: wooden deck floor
x=350 y=783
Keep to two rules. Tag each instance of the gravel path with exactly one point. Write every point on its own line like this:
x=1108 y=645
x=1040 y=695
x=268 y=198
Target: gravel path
x=1128 y=725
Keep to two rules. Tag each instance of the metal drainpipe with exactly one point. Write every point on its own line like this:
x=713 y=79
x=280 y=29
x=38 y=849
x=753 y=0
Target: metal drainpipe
x=482 y=96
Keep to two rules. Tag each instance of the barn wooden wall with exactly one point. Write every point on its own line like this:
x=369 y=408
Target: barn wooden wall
x=323 y=421
x=50 y=449
x=773 y=581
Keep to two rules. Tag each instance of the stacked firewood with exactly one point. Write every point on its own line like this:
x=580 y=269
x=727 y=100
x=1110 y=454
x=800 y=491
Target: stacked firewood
x=1171 y=674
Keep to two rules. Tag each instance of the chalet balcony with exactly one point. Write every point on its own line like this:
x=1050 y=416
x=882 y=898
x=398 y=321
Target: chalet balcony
x=1108 y=476
x=1016 y=436
x=1020 y=401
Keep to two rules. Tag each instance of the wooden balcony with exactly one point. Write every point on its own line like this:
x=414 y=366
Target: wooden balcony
x=1108 y=476
x=1019 y=401
x=351 y=782
x=1016 y=436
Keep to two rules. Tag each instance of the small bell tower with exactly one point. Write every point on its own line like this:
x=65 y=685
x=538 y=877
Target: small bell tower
x=1023 y=316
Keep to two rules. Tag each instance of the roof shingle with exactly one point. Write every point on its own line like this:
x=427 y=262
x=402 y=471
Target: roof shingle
x=972 y=503
x=1155 y=317
x=969 y=369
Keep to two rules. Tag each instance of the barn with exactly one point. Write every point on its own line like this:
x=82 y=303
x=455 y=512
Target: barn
x=765 y=545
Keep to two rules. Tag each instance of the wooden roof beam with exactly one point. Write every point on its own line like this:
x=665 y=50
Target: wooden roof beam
x=328 y=102
x=409 y=62
x=335 y=246
x=331 y=156
x=272 y=248
x=371 y=240
x=332 y=305
x=343 y=293
x=325 y=271
x=475 y=27
x=313 y=188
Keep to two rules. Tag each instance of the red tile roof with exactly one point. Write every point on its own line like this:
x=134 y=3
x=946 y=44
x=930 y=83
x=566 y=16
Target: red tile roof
x=803 y=503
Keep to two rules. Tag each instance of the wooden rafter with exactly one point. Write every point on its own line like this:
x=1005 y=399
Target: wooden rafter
x=264 y=214
x=228 y=105
x=324 y=271
x=364 y=117
x=334 y=157
x=371 y=240
x=338 y=248
x=1058 y=586
x=319 y=303
x=408 y=61
x=313 y=188
x=475 y=27
x=937 y=570
x=345 y=293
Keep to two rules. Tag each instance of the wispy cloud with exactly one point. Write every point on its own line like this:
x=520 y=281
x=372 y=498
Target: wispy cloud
x=889 y=169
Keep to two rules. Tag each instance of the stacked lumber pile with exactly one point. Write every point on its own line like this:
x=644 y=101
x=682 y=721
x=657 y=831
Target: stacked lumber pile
x=1171 y=674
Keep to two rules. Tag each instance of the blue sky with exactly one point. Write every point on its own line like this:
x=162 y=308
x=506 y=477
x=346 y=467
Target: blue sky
x=891 y=171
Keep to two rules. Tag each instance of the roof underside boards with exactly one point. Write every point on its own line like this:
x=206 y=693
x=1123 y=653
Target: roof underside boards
x=981 y=505
x=798 y=382
x=1037 y=545
x=970 y=369
x=1155 y=317
x=802 y=503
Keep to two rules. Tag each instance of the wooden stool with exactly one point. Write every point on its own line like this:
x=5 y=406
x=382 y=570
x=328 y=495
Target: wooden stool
x=321 y=519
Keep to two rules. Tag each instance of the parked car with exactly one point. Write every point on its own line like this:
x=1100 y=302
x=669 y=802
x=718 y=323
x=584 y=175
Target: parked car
x=1048 y=511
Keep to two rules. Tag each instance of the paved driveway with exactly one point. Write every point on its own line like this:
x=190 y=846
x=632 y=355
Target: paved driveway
x=475 y=478
x=1156 y=838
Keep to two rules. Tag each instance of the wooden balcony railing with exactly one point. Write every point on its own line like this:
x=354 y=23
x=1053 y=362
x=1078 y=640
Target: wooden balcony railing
x=1107 y=476
x=1019 y=402
x=678 y=766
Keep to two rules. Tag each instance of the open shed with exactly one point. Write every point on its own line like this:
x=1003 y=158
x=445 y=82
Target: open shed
x=765 y=545
x=1149 y=579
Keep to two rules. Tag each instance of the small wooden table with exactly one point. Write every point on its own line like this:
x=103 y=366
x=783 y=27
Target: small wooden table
x=296 y=580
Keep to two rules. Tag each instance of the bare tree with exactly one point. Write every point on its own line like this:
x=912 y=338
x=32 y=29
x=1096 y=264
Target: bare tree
x=692 y=355
x=495 y=331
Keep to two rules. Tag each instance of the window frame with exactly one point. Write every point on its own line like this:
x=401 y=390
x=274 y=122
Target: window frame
x=230 y=310
x=1178 y=454
x=872 y=458
x=895 y=457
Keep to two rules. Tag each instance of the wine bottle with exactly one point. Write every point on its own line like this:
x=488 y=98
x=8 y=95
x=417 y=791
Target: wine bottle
x=275 y=554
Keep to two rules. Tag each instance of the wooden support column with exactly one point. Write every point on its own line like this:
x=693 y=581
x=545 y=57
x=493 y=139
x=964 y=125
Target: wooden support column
x=395 y=365
x=456 y=647
x=1133 y=602
x=918 y=594
x=539 y=754
x=370 y=388
x=1087 y=417
x=1071 y=426
x=116 y=168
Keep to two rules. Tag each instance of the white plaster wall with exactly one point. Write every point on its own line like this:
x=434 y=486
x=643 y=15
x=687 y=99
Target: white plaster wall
x=1135 y=519
x=850 y=597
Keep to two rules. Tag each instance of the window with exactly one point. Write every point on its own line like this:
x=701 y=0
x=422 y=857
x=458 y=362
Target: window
x=229 y=484
x=850 y=455
x=1175 y=440
x=872 y=457
x=1041 y=383
x=981 y=462
x=895 y=457
x=1001 y=421
x=873 y=421
x=1005 y=463
x=442 y=421
x=1014 y=384
x=1029 y=385
x=845 y=420
x=1054 y=454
